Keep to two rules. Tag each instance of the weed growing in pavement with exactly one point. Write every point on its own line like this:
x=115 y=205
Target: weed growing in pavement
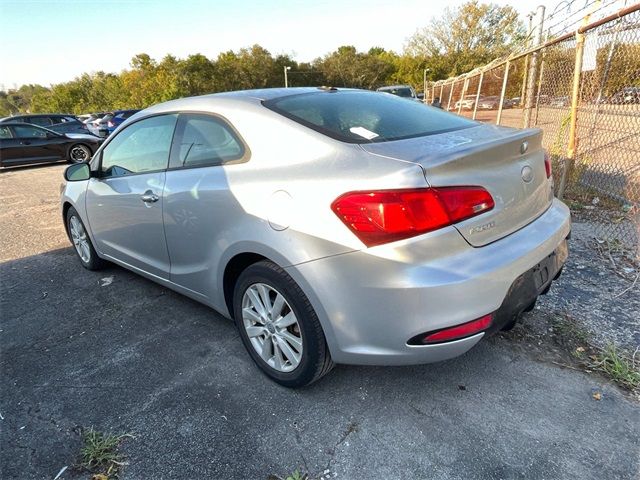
x=619 y=366
x=100 y=454
x=622 y=369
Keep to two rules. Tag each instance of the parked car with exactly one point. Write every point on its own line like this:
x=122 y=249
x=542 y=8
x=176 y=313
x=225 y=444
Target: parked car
x=626 y=95
x=56 y=122
x=403 y=91
x=98 y=125
x=492 y=102
x=332 y=225
x=467 y=102
x=106 y=124
x=90 y=117
x=118 y=117
x=22 y=144
x=559 y=101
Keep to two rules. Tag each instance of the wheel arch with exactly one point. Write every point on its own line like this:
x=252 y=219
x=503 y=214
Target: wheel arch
x=241 y=260
x=235 y=266
x=65 y=208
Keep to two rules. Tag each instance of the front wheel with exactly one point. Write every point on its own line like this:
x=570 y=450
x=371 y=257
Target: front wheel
x=79 y=153
x=279 y=327
x=81 y=241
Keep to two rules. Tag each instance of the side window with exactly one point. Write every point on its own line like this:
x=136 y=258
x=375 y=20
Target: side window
x=204 y=140
x=41 y=121
x=5 y=132
x=141 y=147
x=29 y=132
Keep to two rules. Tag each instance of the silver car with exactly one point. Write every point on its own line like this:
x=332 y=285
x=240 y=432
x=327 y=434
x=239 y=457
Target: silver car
x=332 y=225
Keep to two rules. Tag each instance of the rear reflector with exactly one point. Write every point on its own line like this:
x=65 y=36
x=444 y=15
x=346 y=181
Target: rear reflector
x=547 y=164
x=384 y=216
x=459 y=331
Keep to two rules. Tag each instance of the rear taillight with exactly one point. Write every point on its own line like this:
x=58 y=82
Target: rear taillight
x=456 y=332
x=547 y=164
x=384 y=216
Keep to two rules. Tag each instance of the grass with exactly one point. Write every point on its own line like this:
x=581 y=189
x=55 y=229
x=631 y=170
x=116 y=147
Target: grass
x=292 y=476
x=100 y=454
x=617 y=366
x=612 y=362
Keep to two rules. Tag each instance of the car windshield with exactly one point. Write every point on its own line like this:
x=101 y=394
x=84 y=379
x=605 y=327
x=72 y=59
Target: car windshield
x=361 y=117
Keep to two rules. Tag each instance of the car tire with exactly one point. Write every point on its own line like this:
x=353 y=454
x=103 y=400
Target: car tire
x=285 y=340
x=79 y=153
x=81 y=241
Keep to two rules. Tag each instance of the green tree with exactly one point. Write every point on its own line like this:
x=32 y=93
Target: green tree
x=467 y=37
x=346 y=67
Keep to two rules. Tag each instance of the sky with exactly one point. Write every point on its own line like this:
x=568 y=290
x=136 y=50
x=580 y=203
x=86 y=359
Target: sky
x=52 y=41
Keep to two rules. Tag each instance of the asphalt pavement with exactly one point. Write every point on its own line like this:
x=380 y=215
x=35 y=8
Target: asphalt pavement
x=116 y=352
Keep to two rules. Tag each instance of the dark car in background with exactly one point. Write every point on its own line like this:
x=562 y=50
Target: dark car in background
x=57 y=122
x=22 y=144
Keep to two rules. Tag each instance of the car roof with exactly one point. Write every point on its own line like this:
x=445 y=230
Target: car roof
x=239 y=97
x=22 y=115
x=21 y=124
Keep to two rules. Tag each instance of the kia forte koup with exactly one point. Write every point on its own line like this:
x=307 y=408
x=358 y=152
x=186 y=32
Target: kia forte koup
x=332 y=225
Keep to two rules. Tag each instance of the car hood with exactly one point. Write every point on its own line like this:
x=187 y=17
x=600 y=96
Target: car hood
x=82 y=136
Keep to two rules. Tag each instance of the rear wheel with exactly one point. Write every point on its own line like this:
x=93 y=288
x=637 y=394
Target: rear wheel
x=279 y=327
x=79 y=153
x=81 y=242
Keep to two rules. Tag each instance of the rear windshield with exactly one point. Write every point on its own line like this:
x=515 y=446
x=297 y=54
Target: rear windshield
x=364 y=117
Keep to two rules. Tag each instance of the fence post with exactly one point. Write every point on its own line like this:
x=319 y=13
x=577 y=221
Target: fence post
x=540 y=80
x=533 y=69
x=575 y=97
x=504 y=89
x=433 y=92
x=464 y=92
x=526 y=60
x=453 y=84
x=475 y=104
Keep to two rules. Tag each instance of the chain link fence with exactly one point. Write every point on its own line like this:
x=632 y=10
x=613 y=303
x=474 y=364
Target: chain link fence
x=582 y=89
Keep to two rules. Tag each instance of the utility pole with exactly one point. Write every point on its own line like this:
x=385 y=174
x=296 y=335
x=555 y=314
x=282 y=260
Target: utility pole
x=532 y=74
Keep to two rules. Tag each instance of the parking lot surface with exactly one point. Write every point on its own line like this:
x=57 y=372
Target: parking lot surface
x=116 y=352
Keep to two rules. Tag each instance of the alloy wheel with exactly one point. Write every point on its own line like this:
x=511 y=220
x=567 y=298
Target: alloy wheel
x=79 y=238
x=272 y=327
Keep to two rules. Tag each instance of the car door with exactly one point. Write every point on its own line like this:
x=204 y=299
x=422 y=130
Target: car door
x=8 y=146
x=32 y=144
x=199 y=207
x=124 y=199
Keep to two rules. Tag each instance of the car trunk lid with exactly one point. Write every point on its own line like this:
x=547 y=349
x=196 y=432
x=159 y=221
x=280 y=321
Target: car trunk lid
x=508 y=163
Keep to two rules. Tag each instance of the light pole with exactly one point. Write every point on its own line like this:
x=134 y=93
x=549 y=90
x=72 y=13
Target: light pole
x=286 y=82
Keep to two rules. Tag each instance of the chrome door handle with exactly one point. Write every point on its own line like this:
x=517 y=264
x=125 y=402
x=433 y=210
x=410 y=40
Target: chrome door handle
x=149 y=197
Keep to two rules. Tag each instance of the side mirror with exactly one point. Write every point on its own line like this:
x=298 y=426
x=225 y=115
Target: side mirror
x=77 y=172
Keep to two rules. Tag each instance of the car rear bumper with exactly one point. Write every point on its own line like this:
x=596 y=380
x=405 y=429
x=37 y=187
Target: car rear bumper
x=371 y=305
